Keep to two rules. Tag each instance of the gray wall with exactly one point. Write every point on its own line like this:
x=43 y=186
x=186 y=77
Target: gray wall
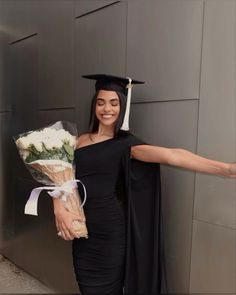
x=185 y=51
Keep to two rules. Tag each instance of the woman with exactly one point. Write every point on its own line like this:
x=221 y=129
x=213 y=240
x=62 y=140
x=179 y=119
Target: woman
x=121 y=255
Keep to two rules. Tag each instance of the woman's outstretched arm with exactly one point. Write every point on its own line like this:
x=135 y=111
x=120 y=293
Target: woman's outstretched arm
x=182 y=158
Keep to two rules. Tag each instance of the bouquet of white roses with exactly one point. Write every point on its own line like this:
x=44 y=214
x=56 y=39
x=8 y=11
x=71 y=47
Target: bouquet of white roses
x=48 y=153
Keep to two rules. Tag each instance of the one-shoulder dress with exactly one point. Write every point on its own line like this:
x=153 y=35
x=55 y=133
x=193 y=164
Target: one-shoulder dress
x=99 y=261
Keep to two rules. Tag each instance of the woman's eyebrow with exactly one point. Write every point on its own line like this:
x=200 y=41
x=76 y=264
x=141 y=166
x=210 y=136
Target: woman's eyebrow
x=112 y=99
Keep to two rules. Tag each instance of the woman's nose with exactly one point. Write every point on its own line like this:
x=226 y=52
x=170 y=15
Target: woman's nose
x=107 y=107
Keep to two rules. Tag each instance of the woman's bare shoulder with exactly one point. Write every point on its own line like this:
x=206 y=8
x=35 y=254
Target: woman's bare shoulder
x=81 y=138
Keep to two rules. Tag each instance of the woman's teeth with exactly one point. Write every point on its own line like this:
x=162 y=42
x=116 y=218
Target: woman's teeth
x=106 y=116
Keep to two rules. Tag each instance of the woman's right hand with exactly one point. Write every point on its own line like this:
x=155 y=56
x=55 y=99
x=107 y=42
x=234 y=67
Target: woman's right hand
x=64 y=220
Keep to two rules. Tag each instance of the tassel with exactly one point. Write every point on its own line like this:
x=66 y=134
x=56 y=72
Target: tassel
x=125 y=125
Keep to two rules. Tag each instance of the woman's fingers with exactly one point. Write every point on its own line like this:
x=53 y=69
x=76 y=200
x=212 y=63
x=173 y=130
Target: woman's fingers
x=66 y=235
x=71 y=232
x=68 y=231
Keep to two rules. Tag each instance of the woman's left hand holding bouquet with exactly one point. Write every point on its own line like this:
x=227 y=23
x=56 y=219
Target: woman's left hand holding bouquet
x=64 y=220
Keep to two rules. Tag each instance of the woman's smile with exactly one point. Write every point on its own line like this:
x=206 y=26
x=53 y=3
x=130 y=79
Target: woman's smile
x=107 y=116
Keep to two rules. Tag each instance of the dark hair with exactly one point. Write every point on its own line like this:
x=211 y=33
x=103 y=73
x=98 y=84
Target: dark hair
x=94 y=122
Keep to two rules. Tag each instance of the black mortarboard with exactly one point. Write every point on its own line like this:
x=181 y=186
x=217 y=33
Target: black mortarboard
x=115 y=83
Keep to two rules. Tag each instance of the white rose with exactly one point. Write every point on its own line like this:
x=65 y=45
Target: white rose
x=47 y=133
x=62 y=133
x=35 y=138
x=66 y=137
x=22 y=143
x=53 y=143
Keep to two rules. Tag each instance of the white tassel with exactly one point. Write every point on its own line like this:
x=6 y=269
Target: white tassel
x=125 y=125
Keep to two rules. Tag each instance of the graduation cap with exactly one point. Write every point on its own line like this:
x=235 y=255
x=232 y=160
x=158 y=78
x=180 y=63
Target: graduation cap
x=115 y=83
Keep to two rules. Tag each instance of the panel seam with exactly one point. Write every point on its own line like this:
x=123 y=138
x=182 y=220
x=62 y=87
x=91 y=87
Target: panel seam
x=23 y=38
x=95 y=10
x=196 y=150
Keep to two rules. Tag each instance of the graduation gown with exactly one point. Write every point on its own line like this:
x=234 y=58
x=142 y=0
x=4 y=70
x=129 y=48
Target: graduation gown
x=143 y=270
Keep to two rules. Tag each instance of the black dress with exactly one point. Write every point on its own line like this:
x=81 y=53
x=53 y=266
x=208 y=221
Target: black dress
x=102 y=262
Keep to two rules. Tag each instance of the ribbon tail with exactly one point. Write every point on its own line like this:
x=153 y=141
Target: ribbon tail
x=31 y=207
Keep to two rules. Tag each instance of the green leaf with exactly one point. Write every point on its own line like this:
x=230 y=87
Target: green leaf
x=31 y=158
x=69 y=150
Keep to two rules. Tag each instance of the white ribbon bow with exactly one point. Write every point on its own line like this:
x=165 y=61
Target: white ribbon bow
x=31 y=207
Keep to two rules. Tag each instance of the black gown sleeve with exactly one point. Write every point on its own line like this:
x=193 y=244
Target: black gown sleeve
x=143 y=273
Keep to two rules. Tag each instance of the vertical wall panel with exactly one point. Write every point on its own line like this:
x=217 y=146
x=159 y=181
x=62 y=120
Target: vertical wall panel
x=6 y=182
x=4 y=103
x=56 y=54
x=213 y=266
x=100 y=48
x=24 y=76
x=164 y=48
x=1 y=70
x=23 y=91
x=6 y=209
x=217 y=120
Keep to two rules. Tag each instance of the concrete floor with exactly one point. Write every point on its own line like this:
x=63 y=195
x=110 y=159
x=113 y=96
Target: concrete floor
x=14 y=280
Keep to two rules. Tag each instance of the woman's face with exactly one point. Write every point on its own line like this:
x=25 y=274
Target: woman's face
x=107 y=107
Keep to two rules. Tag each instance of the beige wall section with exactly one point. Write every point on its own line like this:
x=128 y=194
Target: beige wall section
x=213 y=259
x=217 y=112
x=213 y=248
